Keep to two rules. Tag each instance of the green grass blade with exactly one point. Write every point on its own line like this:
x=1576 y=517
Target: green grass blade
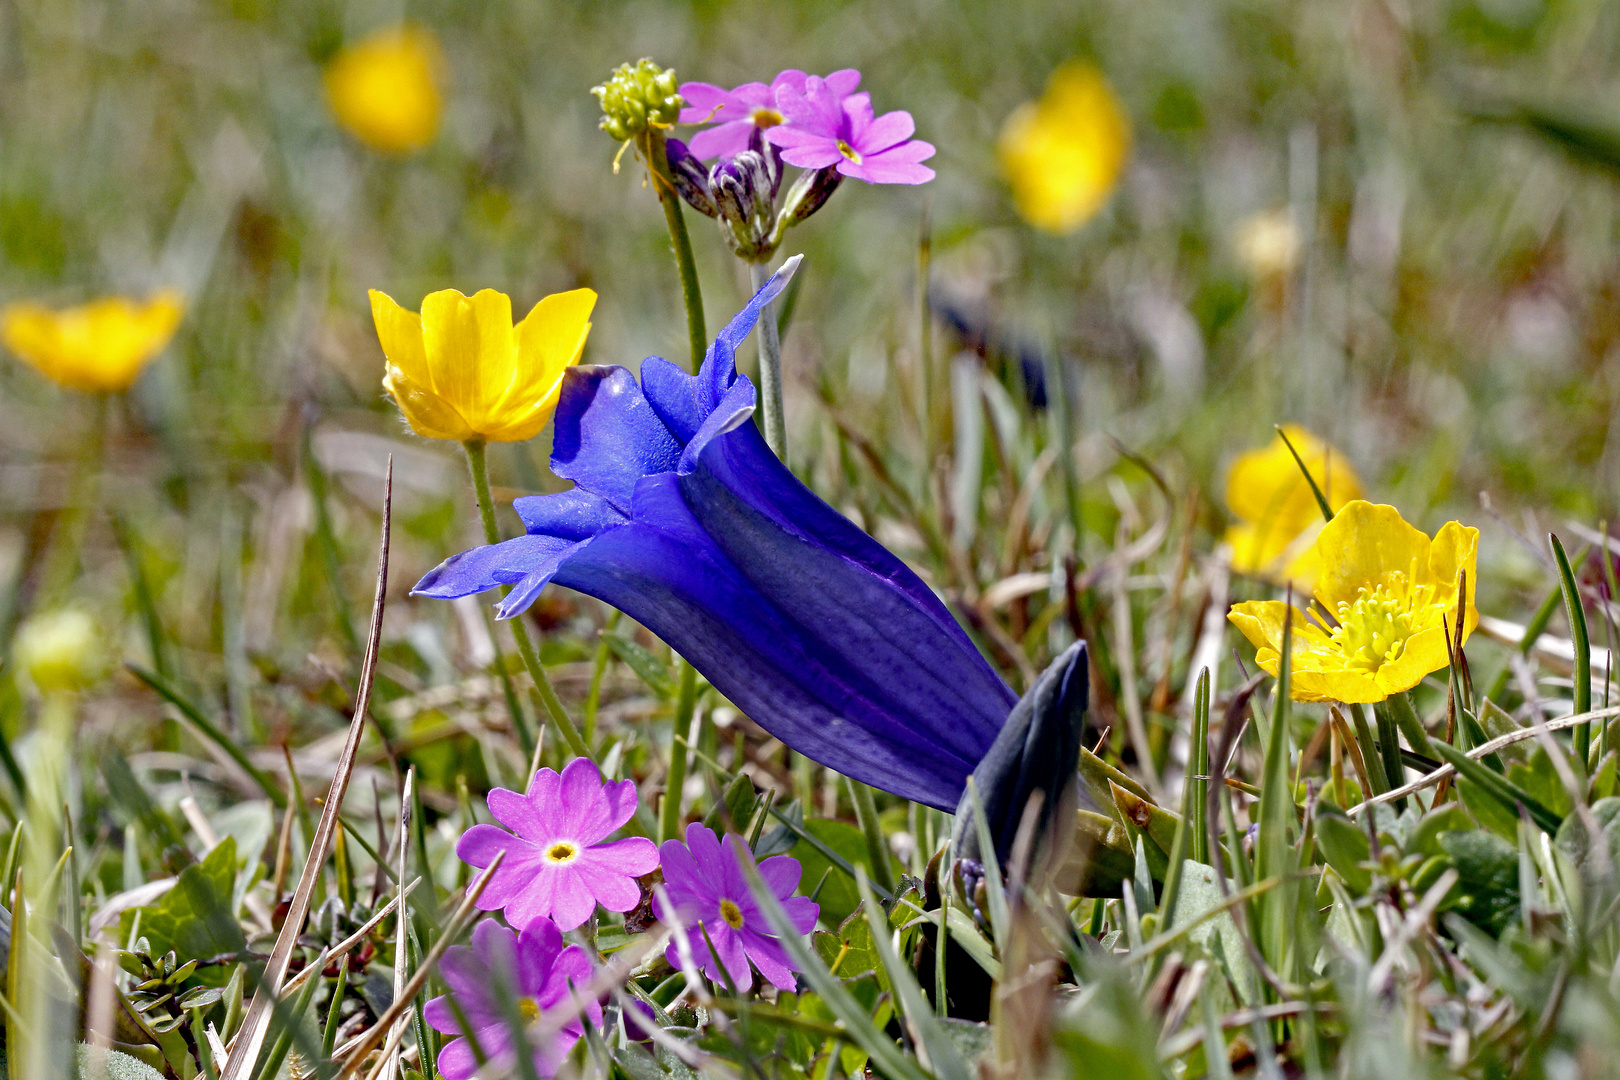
x=1576 y=613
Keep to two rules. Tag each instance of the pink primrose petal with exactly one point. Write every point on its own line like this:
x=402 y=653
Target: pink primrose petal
x=493 y=943
x=538 y=948
x=682 y=882
x=792 y=77
x=814 y=110
x=633 y=856
x=803 y=911
x=705 y=848
x=732 y=954
x=545 y=788
x=886 y=172
x=573 y=901
x=571 y=975
x=535 y=898
x=857 y=117
x=706 y=101
x=770 y=957
x=787 y=137
x=583 y=815
x=819 y=156
x=782 y=874
x=734 y=882
x=518 y=813
x=480 y=844
x=621 y=798
x=456 y=1061
x=843 y=82
x=722 y=141
x=465 y=975
x=888 y=130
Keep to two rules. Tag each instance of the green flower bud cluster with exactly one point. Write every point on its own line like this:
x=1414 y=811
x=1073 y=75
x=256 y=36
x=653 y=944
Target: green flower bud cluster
x=638 y=96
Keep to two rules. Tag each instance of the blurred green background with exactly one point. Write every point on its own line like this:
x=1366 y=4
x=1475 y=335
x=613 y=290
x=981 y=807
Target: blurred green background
x=1448 y=317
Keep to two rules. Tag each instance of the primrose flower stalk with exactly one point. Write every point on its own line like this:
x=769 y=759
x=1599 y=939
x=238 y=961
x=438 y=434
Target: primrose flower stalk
x=704 y=884
x=683 y=519
x=1385 y=594
x=559 y=863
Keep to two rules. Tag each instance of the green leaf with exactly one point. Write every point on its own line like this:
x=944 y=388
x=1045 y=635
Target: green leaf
x=1344 y=846
x=837 y=897
x=1488 y=877
x=648 y=668
x=1538 y=777
x=119 y=1066
x=1424 y=838
x=194 y=918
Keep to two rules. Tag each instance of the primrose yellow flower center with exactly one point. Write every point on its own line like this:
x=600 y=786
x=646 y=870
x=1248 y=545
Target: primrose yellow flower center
x=528 y=1010
x=766 y=118
x=1374 y=628
x=849 y=151
x=730 y=912
x=562 y=852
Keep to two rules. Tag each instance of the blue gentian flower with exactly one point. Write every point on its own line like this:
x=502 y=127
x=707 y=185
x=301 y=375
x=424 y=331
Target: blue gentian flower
x=682 y=518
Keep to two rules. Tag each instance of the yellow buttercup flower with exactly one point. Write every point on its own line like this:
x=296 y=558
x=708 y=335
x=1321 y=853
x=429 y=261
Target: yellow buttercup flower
x=1388 y=593
x=102 y=346
x=386 y=90
x=460 y=370
x=1278 y=515
x=1064 y=154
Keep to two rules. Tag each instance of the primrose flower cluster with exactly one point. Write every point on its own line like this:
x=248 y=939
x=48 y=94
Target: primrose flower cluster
x=824 y=125
x=560 y=864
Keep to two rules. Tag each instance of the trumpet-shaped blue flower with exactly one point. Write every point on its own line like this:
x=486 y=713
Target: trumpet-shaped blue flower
x=682 y=518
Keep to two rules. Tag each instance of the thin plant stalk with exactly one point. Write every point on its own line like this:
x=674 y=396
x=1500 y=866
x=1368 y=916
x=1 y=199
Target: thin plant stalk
x=543 y=689
x=669 y=824
x=651 y=147
x=46 y=792
x=770 y=367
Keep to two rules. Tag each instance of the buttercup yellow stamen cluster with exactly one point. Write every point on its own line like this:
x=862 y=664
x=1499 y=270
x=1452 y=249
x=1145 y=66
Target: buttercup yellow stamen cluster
x=460 y=370
x=99 y=347
x=387 y=91
x=1064 y=154
x=1278 y=515
x=1385 y=594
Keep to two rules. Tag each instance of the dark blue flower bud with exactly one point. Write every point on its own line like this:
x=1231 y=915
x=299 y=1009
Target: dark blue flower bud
x=691 y=178
x=1036 y=752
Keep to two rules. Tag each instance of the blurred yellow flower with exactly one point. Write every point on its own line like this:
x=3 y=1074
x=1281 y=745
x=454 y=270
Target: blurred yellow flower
x=1388 y=590
x=1064 y=153
x=386 y=90
x=1278 y=515
x=460 y=370
x=102 y=346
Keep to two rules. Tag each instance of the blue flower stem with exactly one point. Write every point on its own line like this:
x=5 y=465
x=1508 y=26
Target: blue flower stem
x=543 y=690
x=651 y=146
x=770 y=366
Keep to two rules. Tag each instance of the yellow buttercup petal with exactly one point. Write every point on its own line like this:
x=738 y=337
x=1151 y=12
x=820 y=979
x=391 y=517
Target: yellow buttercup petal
x=462 y=371
x=471 y=350
x=1064 y=154
x=1361 y=547
x=1386 y=594
x=1279 y=516
x=102 y=346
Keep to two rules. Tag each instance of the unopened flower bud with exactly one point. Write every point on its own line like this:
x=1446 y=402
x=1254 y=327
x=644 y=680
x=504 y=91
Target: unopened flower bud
x=636 y=97
x=690 y=177
x=742 y=193
x=770 y=156
x=60 y=651
x=812 y=189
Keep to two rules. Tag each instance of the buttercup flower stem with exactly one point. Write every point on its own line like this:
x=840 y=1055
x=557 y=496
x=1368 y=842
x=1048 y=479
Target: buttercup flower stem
x=651 y=147
x=770 y=366
x=542 y=684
